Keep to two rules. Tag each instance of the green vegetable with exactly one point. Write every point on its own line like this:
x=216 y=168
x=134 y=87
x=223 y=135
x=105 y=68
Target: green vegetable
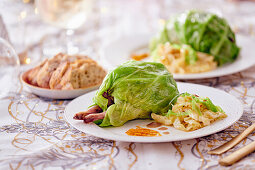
x=194 y=100
x=205 y=101
x=203 y=31
x=139 y=88
x=219 y=109
x=191 y=56
x=209 y=105
x=195 y=107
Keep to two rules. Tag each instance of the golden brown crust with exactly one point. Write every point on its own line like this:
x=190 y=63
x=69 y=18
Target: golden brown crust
x=57 y=75
x=32 y=74
x=65 y=80
x=45 y=73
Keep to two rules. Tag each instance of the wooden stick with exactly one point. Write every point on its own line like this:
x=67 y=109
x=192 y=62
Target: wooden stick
x=237 y=155
x=233 y=142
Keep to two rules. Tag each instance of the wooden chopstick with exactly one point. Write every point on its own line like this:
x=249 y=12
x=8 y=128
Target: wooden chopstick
x=237 y=155
x=228 y=145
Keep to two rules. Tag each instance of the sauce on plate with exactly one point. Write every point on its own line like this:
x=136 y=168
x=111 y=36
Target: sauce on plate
x=142 y=132
x=166 y=133
x=163 y=128
x=153 y=125
x=139 y=57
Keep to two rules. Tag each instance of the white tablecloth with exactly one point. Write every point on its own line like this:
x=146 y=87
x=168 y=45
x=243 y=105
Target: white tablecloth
x=34 y=134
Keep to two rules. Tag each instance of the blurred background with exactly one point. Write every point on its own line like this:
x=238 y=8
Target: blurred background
x=42 y=28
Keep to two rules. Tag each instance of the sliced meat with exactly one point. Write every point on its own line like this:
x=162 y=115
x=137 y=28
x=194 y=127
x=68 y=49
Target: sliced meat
x=82 y=115
x=110 y=98
x=95 y=109
x=93 y=117
x=95 y=112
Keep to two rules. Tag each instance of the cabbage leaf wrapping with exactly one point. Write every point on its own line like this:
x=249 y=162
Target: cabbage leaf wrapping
x=205 y=32
x=138 y=88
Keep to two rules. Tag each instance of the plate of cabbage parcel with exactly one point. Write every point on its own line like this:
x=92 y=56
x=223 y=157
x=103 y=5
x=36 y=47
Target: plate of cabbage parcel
x=192 y=45
x=141 y=102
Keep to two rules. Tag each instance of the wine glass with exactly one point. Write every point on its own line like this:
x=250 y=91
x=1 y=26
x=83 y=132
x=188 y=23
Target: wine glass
x=68 y=15
x=9 y=65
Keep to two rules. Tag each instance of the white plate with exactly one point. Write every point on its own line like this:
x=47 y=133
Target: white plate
x=229 y=104
x=56 y=94
x=119 y=51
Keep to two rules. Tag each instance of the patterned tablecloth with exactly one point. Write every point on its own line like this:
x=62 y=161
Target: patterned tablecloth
x=35 y=135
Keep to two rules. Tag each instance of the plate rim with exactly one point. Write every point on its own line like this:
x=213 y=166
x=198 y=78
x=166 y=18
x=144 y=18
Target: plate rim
x=55 y=90
x=158 y=139
x=55 y=94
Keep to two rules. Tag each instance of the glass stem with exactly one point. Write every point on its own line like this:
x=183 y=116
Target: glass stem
x=67 y=36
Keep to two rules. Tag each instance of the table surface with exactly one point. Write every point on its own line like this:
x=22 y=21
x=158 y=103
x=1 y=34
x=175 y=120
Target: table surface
x=34 y=133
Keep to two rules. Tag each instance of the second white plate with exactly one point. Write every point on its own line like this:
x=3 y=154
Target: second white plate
x=227 y=102
x=56 y=94
x=119 y=51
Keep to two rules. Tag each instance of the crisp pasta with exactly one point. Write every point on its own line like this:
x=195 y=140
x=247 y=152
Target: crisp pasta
x=175 y=60
x=191 y=112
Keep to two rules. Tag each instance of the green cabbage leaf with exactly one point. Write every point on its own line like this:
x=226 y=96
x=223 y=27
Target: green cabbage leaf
x=204 y=32
x=139 y=89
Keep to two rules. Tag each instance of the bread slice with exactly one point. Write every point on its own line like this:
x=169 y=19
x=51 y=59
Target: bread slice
x=89 y=73
x=82 y=73
x=45 y=73
x=31 y=75
x=66 y=72
x=58 y=74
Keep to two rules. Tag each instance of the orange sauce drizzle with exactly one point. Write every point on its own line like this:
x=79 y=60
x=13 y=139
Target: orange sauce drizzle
x=139 y=57
x=153 y=125
x=162 y=128
x=142 y=132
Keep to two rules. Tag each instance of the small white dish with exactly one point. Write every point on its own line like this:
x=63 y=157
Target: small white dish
x=55 y=94
x=120 y=50
x=227 y=102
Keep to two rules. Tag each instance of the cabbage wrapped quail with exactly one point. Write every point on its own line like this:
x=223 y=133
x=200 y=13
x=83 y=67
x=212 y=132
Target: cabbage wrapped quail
x=133 y=90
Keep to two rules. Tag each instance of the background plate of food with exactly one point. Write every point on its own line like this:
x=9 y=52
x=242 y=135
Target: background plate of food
x=64 y=77
x=196 y=49
x=124 y=107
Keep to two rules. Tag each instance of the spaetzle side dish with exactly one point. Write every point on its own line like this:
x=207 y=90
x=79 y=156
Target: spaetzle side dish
x=191 y=112
x=182 y=59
